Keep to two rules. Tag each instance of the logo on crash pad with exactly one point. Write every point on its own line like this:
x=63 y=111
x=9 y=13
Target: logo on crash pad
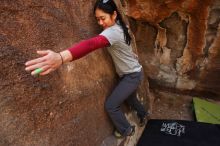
x=173 y=128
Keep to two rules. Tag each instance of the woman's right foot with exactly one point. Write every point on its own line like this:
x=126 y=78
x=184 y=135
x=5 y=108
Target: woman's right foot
x=117 y=134
x=131 y=132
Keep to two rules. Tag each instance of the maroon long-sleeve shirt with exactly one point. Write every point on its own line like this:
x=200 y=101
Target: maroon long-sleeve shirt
x=84 y=47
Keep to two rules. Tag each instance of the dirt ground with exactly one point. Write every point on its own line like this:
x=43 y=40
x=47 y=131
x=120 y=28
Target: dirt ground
x=172 y=106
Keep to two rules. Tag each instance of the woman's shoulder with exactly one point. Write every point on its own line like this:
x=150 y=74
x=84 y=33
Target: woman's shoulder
x=114 y=34
x=114 y=28
x=117 y=27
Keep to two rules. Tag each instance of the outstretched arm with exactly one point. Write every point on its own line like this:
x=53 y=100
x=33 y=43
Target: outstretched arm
x=81 y=49
x=50 y=60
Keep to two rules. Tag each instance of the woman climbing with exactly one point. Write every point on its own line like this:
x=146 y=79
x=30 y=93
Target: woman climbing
x=116 y=38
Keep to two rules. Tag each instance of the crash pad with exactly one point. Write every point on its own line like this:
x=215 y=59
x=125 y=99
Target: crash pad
x=206 y=111
x=179 y=133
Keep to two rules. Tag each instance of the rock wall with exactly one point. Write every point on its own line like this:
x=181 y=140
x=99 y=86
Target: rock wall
x=65 y=107
x=178 y=42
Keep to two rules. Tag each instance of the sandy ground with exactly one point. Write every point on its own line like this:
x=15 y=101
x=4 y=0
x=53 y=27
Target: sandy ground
x=172 y=106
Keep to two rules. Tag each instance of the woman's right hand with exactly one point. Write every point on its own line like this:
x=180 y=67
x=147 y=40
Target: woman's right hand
x=48 y=62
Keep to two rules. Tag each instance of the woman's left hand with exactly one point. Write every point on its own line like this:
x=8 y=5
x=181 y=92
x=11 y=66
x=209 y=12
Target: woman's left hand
x=48 y=62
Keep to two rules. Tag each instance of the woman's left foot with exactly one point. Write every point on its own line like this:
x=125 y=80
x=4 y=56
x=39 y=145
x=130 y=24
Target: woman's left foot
x=143 y=120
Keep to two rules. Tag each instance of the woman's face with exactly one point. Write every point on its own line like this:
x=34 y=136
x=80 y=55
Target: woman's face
x=104 y=19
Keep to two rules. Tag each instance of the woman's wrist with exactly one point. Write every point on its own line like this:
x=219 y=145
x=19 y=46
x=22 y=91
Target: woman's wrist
x=61 y=57
x=65 y=56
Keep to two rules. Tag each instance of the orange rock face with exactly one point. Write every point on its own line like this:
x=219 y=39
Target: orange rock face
x=178 y=37
x=67 y=106
x=178 y=45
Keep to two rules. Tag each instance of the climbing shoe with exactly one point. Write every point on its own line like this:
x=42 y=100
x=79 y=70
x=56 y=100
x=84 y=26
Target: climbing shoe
x=131 y=132
x=143 y=119
x=117 y=134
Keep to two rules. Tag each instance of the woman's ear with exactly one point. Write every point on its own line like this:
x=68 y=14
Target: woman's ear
x=114 y=16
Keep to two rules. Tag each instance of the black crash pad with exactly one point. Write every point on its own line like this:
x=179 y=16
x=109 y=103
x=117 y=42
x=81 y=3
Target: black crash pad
x=179 y=133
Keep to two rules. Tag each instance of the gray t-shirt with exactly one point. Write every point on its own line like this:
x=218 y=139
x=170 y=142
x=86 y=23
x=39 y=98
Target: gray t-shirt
x=122 y=55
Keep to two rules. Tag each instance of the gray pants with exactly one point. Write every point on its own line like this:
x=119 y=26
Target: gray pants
x=124 y=91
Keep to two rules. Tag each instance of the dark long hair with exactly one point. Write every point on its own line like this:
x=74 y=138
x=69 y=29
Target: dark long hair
x=109 y=6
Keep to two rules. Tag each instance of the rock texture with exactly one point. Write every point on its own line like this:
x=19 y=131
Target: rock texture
x=178 y=43
x=65 y=107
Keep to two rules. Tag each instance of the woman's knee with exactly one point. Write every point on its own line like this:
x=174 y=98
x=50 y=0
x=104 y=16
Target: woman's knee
x=107 y=105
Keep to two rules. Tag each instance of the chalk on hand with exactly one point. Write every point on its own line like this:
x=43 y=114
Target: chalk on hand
x=37 y=71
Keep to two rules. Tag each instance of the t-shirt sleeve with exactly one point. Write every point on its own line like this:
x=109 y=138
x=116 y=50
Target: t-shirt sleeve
x=111 y=35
